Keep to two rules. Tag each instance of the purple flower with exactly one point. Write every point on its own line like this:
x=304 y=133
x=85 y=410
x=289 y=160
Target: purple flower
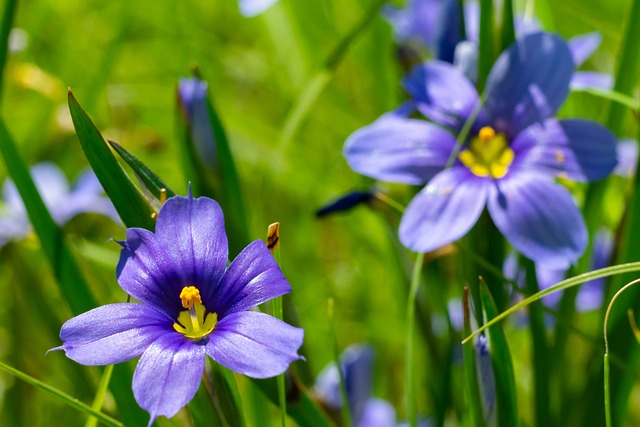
x=62 y=202
x=192 y=305
x=250 y=8
x=192 y=95
x=509 y=162
x=346 y=202
x=436 y=25
x=356 y=362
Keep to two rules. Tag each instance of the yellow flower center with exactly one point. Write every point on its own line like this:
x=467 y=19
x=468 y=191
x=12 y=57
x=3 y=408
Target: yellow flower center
x=194 y=322
x=488 y=154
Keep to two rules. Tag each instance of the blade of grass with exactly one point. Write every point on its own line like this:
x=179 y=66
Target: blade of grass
x=411 y=319
x=301 y=108
x=8 y=13
x=501 y=361
x=152 y=181
x=540 y=346
x=131 y=205
x=69 y=400
x=565 y=284
x=508 y=32
x=486 y=44
x=100 y=395
x=613 y=96
x=470 y=370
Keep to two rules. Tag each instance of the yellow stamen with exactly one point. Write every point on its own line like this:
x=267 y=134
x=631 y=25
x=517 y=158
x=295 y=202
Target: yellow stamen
x=190 y=295
x=486 y=134
x=194 y=322
x=488 y=154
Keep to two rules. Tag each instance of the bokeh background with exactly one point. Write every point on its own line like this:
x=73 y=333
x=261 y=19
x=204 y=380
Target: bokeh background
x=123 y=61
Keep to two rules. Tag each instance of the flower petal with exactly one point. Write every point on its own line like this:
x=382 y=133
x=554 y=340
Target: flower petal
x=582 y=80
x=254 y=344
x=418 y=21
x=580 y=150
x=396 y=149
x=528 y=82
x=627 y=158
x=168 y=375
x=442 y=93
x=583 y=46
x=148 y=272
x=251 y=279
x=444 y=210
x=112 y=333
x=251 y=8
x=539 y=218
x=192 y=230
x=380 y=413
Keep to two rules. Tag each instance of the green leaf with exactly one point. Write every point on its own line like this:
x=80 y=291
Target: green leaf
x=131 y=205
x=220 y=181
x=613 y=96
x=149 y=178
x=486 y=43
x=8 y=14
x=72 y=283
x=69 y=400
x=565 y=284
x=506 y=401
x=508 y=33
x=470 y=369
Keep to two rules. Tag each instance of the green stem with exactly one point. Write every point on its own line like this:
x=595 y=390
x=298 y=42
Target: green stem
x=8 y=14
x=486 y=51
x=345 y=410
x=411 y=307
x=69 y=400
x=540 y=349
x=100 y=395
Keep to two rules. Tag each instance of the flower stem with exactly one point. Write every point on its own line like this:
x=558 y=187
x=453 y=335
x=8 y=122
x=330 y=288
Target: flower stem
x=411 y=307
x=345 y=410
x=5 y=29
x=100 y=395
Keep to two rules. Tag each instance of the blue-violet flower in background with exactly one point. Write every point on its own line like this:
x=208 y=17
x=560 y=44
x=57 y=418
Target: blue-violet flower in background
x=509 y=162
x=356 y=362
x=63 y=203
x=250 y=8
x=193 y=305
x=436 y=25
x=192 y=95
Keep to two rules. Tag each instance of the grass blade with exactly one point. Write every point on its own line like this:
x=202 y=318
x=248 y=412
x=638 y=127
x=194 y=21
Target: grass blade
x=69 y=400
x=152 y=181
x=506 y=401
x=470 y=369
x=8 y=13
x=131 y=205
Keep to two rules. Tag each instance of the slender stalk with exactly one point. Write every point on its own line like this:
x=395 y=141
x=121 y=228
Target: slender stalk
x=607 y=401
x=69 y=400
x=345 y=410
x=540 y=349
x=273 y=243
x=411 y=307
x=8 y=14
x=100 y=395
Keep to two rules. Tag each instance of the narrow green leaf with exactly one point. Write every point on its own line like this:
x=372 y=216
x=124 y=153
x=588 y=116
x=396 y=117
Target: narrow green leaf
x=486 y=43
x=232 y=196
x=131 y=205
x=410 y=379
x=613 y=96
x=219 y=181
x=98 y=400
x=506 y=401
x=69 y=400
x=470 y=369
x=8 y=13
x=149 y=178
x=226 y=395
x=508 y=33
x=565 y=284
x=312 y=90
x=300 y=407
x=345 y=411
x=72 y=283
x=540 y=346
